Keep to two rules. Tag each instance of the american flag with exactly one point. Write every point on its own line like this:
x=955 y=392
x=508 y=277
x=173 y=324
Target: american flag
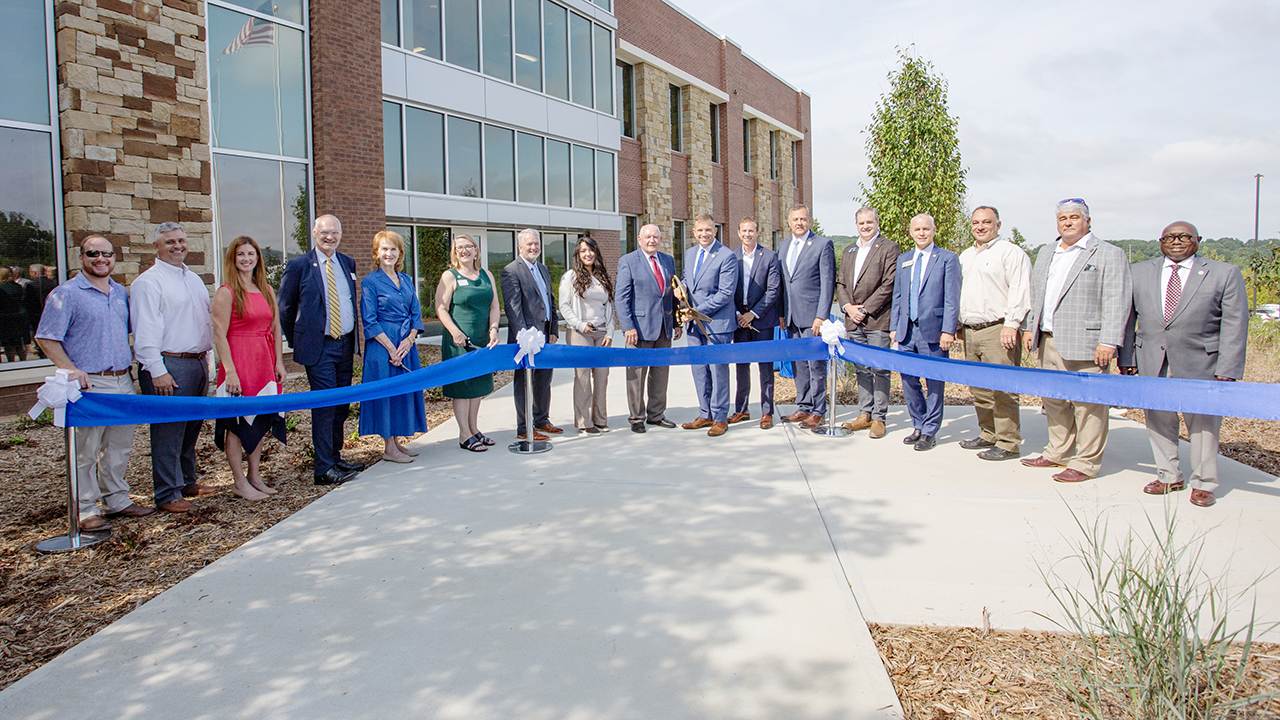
x=255 y=31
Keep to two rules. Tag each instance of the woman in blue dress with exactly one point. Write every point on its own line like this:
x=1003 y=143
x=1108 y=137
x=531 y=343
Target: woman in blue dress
x=392 y=320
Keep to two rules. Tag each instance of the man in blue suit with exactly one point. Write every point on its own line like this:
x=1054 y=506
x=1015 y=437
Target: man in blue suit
x=758 y=298
x=710 y=278
x=642 y=299
x=926 y=309
x=318 y=316
x=809 y=284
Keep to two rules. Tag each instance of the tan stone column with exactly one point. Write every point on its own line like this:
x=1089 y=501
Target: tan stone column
x=653 y=130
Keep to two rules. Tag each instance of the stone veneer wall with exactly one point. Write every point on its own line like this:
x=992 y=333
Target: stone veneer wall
x=696 y=118
x=133 y=111
x=653 y=130
x=764 y=207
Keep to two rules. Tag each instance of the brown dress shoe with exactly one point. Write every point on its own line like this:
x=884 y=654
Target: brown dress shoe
x=811 y=422
x=1070 y=475
x=766 y=422
x=133 y=511
x=549 y=429
x=862 y=422
x=536 y=436
x=796 y=417
x=176 y=506
x=717 y=429
x=1039 y=461
x=697 y=424
x=1202 y=498
x=198 y=490
x=1155 y=487
x=877 y=430
x=738 y=417
x=94 y=523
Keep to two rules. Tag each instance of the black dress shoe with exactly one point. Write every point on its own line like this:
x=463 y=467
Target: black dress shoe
x=335 y=476
x=977 y=443
x=912 y=438
x=997 y=453
x=665 y=423
x=353 y=467
x=637 y=427
x=926 y=442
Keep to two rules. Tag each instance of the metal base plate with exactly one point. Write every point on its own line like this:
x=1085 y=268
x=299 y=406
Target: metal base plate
x=837 y=431
x=65 y=543
x=529 y=447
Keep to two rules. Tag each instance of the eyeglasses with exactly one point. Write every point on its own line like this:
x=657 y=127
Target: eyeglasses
x=1072 y=201
x=99 y=253
x=1180 y=237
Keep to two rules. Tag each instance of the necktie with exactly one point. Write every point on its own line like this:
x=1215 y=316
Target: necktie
x=793 y=254
x=915 y=288
x=542 y=292
x=662 y=287
x=1172 y=292
x=697 y=266
x=335 y=309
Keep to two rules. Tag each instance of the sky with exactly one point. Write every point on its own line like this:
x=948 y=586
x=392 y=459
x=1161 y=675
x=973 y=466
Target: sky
x=1151 y=111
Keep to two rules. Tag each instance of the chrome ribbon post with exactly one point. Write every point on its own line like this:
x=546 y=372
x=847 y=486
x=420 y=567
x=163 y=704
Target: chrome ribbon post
x=831 y=335
x=56 y=392
x=530 y=342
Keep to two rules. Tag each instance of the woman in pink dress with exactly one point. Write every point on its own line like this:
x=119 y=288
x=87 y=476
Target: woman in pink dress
x=246 y=332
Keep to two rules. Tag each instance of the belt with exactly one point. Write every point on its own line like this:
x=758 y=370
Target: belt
x=186 y=356
x=112 y=373
x=983 y=326
x=1046 y=333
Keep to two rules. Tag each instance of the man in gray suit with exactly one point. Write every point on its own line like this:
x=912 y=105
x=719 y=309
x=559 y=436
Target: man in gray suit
x=1080 y=297
x=808 y=280
x=526 y=295
x=1190 y=320
x=864 y=292
x=643 y=301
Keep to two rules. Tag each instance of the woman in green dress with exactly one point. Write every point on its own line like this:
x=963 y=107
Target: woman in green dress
x=468 y=308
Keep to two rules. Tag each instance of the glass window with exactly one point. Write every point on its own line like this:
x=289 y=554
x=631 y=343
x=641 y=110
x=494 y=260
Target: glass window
x=433 y=259
x=555 y=36
x=604 y=180
x=499 y=163
x=715 y=133
x=392 y=150
x=266 y=200
x=584 y=177
x=630 y=232
x=677 y=245
x=464 y=157
x=257 y=87
x=462 y=33
x=391 y=22
x=558 y=173
x=422 y=27
x=773 y=155
x=502 y=250
x=746 y=145
x=26 y=198
x=24 y=73
x=497 y=38
x=425 y=132
x=626 y=98
x=604 y=61
x=529 y=44
x=529 y=160
x=554 y=256
x=580 y=59
x=606 y=4
x=677 y=138
x=287 y=10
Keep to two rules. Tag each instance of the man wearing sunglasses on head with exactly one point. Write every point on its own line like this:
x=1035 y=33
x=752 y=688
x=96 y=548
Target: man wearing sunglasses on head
x=1080 y=297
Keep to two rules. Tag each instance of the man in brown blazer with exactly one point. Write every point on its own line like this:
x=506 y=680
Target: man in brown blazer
x=864 y=290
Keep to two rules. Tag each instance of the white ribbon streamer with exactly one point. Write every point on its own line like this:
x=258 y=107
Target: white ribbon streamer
x=832 y=334
x=530 y=342
x=56 y=392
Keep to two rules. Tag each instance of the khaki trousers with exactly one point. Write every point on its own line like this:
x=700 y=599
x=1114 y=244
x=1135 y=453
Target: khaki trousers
x=589 y=385
x=651 y=379
x=999 y=414
x=102 y=454
x=1077 y=430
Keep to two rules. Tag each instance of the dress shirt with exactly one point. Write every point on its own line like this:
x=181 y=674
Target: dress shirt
x=697 y=263
x=860 y=258
x=92 y=326
x=922 y=257
x=997 y=283
x=346 y=304
x=793 y=253
x=748 y=262
x=1184 y=274
x=169 y=307
x=1059 y=268
x=542 y=288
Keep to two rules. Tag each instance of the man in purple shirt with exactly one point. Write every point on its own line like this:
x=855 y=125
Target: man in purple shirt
x=85 y=329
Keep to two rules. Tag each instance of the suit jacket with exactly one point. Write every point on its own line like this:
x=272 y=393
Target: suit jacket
x=711 y=292
x=811 y=284
x=939 y=305
x=522 y=301
x=873 y=287
x=764 y=287
x=302 y=302
x=1095 y=302
x=636 y=300
x=1208 y=331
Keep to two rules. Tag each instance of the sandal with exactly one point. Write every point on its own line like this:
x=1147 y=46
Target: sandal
x=473 y=443
x=488 y=441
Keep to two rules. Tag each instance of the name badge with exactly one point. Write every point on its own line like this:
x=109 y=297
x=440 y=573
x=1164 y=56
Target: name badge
x=909 y=263
x=462 y=281
x=353 y=276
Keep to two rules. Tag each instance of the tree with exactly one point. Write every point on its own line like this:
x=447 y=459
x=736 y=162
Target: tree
x=1021 y=241
x=817 y=228
x=914 y=155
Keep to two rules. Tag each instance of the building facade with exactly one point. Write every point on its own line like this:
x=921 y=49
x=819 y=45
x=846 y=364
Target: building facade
x=430 y=117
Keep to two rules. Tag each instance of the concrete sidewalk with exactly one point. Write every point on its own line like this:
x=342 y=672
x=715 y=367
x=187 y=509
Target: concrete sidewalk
x=664 y=575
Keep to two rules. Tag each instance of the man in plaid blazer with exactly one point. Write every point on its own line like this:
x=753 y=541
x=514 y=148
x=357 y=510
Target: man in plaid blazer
x=1081 y=293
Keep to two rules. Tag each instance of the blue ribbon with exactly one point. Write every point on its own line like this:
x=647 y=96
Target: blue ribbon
x=1206 y=397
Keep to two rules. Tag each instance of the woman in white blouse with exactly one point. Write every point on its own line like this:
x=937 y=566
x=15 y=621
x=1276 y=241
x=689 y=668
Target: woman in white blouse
x=586 y=304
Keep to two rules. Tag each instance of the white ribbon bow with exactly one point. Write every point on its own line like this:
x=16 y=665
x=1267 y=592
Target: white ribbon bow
x=832 y=333
x=530 y=342
x=55 y=393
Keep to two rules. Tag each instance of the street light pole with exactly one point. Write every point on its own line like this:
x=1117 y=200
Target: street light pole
x=1257 y=197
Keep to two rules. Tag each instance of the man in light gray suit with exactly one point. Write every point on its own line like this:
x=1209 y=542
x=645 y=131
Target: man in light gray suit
x=1080 y=297
x=809 y=284
x=1190 y=320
